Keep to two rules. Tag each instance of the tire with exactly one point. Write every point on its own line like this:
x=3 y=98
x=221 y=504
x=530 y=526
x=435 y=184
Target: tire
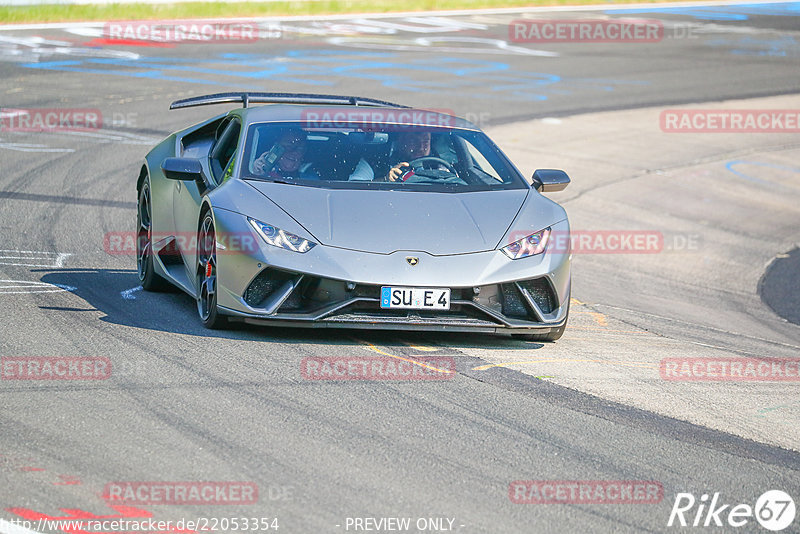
x=150 y=280
x=207 y=275
x=553 y=335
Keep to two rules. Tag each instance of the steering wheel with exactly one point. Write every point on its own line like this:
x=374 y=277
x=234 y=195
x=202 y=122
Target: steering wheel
x=414 y=163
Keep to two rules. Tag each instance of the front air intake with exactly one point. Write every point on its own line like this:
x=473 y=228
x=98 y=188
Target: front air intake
x=263 y=285
x=513 y=302
x=541 y=292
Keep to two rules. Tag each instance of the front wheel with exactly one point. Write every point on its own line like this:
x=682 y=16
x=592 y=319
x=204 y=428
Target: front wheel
x=149 y=279
x=207 y=275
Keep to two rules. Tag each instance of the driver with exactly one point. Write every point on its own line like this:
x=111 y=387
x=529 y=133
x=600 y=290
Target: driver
x=410 y=146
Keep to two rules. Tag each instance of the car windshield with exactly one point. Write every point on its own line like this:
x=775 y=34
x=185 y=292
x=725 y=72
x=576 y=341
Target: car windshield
x=382 y=156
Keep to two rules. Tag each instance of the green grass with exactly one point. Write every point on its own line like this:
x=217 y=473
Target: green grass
x=191 y=10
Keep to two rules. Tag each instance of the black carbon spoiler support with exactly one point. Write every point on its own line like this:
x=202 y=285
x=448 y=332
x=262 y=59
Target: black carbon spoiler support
x=280 y=98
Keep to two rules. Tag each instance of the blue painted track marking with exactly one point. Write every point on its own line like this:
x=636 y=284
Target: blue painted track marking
x=730 y=12
x=785 y=46
x=469 y=76
x=741 y=174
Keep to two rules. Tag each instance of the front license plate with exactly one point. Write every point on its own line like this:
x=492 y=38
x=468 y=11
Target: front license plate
x=415 y=298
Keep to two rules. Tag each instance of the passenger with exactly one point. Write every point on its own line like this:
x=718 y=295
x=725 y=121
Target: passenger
x=285 y=158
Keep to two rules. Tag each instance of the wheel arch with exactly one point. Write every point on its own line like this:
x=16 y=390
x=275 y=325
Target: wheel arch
x=205 y=207
x=143 y=173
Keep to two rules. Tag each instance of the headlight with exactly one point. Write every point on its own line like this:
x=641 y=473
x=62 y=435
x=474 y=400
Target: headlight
x=279 y=238
x=528 y=246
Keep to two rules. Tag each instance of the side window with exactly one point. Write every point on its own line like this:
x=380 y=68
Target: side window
x=222 y=156
x=228 y=170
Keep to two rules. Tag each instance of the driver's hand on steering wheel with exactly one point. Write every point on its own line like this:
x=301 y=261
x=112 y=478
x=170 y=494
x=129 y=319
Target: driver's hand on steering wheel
x=396 y=172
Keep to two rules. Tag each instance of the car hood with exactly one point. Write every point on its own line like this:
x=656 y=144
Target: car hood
x=387 y=221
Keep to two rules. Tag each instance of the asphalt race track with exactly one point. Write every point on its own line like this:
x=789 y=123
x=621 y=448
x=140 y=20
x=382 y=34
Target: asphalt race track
x=188 y=405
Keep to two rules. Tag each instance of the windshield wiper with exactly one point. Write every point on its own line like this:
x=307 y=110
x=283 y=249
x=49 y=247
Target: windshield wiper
x=273 y=180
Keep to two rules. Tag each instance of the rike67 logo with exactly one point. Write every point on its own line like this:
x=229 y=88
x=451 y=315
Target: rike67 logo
x=774 y=510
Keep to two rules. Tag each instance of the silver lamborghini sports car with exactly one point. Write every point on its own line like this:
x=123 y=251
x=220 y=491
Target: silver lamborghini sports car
x=347 y=212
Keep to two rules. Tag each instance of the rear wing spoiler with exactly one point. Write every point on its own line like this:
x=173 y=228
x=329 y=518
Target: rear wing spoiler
x=280 y=98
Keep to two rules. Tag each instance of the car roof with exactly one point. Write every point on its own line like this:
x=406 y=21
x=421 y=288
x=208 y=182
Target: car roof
x=340 y=115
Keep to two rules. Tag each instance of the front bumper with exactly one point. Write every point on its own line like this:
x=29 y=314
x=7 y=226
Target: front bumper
x=330 y=287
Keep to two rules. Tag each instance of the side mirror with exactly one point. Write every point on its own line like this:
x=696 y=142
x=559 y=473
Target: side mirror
x=550 y=180
x=186 y=169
